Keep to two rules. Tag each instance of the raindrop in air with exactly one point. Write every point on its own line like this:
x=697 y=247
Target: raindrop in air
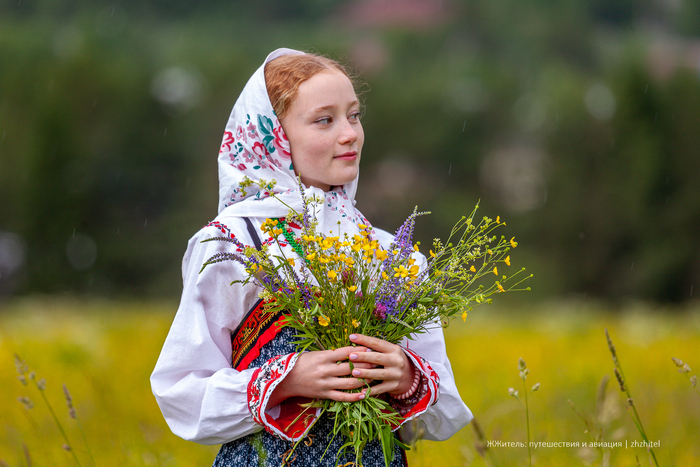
x=111 y=21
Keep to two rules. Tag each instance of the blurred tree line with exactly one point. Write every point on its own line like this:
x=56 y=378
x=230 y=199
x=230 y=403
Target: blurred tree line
x=576 y=121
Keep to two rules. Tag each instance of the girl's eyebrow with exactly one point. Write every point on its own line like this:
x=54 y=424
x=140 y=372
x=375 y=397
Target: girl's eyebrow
x=331 y=106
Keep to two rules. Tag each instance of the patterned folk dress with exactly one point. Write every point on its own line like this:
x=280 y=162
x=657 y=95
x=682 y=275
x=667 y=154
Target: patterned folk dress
x=265 y=449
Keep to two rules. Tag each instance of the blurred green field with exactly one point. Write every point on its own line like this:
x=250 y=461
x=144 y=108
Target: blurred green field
x=104 y=353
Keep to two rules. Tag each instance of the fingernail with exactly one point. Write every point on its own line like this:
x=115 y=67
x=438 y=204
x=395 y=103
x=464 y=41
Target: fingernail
x=368 y=350
x=362 y=396
x=356 y=372
x=352 y=337
x=353 y=356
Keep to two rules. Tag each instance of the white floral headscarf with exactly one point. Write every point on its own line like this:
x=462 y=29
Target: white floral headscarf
x=255 y=146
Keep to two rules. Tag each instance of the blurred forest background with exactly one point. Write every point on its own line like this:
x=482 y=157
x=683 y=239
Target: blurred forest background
x=577 y=121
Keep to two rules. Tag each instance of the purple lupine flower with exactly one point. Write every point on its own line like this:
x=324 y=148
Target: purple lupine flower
x=403 y=239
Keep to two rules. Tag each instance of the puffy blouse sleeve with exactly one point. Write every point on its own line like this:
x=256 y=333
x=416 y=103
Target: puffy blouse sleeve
x=202 y=398
x=449 y=414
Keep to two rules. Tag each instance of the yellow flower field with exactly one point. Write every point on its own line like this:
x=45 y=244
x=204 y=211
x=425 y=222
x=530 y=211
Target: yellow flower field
x=104 y=351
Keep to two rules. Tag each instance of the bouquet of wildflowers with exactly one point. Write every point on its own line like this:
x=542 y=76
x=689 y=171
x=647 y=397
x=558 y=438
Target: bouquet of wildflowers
x=340 y=284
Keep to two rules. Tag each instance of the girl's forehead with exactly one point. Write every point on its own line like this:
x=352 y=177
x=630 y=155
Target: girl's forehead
x=328 y=88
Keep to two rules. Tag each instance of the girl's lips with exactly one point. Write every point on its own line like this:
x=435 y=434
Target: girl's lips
x=348 y=156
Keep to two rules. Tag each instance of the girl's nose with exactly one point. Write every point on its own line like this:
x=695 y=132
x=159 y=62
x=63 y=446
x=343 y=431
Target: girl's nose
x=348 y=133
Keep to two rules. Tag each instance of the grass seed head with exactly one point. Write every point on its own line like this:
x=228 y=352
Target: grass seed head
x=69 y=402
x=26 y=402
x=611 y=346
x=620 y=381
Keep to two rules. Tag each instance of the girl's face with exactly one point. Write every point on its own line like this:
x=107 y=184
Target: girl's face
x=324 y=131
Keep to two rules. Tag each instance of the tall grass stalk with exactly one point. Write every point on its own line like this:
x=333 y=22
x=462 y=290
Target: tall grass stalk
x=74 y=415
x=624 y=387
x=24 y=377
x=481 y=444
x=522 y=367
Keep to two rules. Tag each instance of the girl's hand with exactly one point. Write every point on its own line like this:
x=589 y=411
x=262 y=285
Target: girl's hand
x=390 y=365
x=322 y=375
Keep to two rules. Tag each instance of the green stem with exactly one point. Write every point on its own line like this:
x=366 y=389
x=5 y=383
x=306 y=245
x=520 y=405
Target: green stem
x=87 y=446
x=60 y=427
x=527 y=423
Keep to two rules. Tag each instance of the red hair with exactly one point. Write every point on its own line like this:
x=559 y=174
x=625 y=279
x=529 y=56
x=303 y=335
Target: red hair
x=284 y=75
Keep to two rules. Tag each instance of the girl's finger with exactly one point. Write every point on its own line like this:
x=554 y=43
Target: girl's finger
x=371 y=342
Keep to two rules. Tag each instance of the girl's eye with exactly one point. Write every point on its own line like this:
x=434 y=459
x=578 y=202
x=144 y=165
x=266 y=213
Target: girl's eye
x=355 y=116
x=324 y=120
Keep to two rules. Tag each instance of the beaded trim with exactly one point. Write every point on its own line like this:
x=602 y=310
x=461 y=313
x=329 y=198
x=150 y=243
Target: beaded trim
x=289 y=235
x=414 y=386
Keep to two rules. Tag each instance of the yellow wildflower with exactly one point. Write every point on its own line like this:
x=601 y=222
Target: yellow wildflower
x=355 y=323
x=385 y=276
x=381 y=254
x=432 y=254
x=362 y=226
x=290 y=261
x=268 y=225
x=507 y=260
x=401 y=271
x=500 y=288
x=472 y=269
x=414 y=270
x=495 y=270
x=352 y=288
x=323 y=321
x=332 y=275
x=513 y=243
x=498 y=219
x=490 y=252
x=464 y=316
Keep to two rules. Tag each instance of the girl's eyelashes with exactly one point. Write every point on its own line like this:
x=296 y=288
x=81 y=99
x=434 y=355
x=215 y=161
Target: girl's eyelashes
x=353 y=117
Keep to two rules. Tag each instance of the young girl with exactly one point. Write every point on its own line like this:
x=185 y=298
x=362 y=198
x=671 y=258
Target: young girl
x=227 y=374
